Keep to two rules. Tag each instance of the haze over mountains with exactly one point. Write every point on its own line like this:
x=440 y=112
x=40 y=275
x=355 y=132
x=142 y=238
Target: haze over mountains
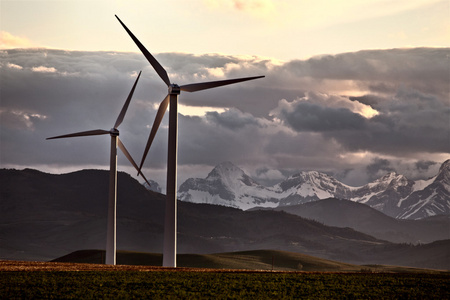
x=393 y=194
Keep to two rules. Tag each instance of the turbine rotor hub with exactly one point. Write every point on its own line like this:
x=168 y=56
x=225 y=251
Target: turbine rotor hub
x=174 y=89
x=114 y=132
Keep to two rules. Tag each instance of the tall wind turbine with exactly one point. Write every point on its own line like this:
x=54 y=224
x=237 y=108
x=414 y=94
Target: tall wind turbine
x=170 y=226
x=112 y=200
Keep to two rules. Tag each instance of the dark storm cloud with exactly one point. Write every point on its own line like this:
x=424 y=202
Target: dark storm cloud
x=52 y=92
x=312 y=117
x=407 y=122
x=424 y=165
x=422 y=68
x=378 y=168
x=232 y=119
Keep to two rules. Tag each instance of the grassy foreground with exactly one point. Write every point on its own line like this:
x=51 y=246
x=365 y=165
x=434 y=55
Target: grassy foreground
x=230 y=285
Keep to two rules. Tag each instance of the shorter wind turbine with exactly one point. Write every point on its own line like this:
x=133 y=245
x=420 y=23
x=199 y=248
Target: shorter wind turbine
x=170 y=222
x=112 y=200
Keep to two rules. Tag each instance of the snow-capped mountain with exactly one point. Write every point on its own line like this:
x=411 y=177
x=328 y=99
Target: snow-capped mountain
x=310 y=186
x=401 y=198
x=432 y=199
x=393 y=194
x=226 y=185
x=385 y=193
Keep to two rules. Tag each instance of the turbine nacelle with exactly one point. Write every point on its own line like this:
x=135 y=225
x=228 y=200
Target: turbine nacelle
x=174 y=89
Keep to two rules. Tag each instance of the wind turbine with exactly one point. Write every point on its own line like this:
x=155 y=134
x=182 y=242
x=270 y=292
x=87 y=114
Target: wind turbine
x=170 y=223
x=112 y=200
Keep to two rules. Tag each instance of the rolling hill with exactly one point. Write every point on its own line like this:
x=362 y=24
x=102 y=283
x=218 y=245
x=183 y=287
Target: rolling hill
x=268 y=260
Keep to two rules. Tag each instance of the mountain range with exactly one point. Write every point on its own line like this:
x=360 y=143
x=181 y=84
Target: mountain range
x=393 y=194
x=45 y=216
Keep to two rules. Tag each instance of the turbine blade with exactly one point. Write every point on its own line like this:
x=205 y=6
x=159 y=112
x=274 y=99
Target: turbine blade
x=159 y=116
x=127 y=154
x=83 y=133
x=212 y=84
x=149 y=185
x=127 y=103
x=155 y=64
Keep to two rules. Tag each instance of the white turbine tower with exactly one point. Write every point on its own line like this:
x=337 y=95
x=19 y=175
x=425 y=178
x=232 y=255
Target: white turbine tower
x=170 y=223
x=112 y=200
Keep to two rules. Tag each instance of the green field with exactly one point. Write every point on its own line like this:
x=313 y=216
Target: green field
x=124 y=284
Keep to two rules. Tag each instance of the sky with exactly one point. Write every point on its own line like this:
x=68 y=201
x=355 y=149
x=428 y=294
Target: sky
x=354 y=89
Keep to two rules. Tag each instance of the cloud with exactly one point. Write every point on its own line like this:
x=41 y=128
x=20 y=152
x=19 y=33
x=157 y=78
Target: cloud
x=306 y=116
x=424 y=165
x=269 y=177
x=412 y=169
x=320 y=112
x=9 y=41
x=20 y=119
x=13 y=66
x=43 y=69
x=378 y=168
x=406 y=123
x=374 y=71
x=299 y=117
x=231 y=119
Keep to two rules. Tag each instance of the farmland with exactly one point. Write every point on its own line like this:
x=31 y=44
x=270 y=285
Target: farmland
x=100 y=281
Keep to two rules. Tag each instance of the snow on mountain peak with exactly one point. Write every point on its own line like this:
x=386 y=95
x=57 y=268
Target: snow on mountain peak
x=310 y=186
x=226 y=185
x=223 y=170
x=389 y=177
x=230 y=175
